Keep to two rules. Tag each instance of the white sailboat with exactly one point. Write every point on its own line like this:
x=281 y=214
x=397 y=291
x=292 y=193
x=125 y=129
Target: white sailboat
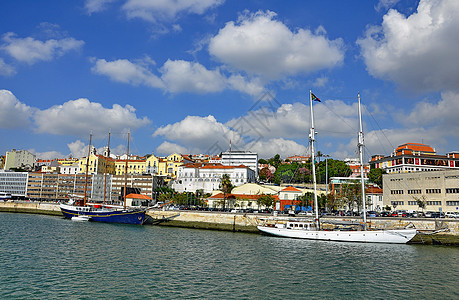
x=313 y=231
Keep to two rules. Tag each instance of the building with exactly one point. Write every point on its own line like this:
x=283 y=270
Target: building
x=207 y=177
x=298 y=159
x=415 y=157
x=19 y=159
x=97 y=164
x=166 y=166
x=354 y=165
x=134 y=167
x=239 y=201
x=237 y=158
x=57 y=187
x=374 y=195
x=438 y=190
x=60 y=187
x=13 y=183
x=144 y=184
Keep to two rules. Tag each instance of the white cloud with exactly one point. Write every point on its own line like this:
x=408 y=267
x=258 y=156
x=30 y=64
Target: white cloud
x=93 y=6
x=271 y=147
x=416 y=52
x=79 y=117
x=47 y=155
x=167 y=148
x=258 y=44
x=200 y=134
x=122 y=70
x=385 y=4
x=253 y=87
x=13 y=113
x=30 y=50
x=184 y=76
x=320 y=81
x=333 y=118
x=5 y=69
x=166 y=10
x=442 y=115
x=78 y=149
x=177 y=76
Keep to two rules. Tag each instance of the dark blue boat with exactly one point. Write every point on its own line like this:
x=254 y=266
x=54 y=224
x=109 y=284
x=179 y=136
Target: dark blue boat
x=104 y=214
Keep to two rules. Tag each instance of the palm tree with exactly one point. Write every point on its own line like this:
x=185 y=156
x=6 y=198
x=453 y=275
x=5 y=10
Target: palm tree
x=226 y=187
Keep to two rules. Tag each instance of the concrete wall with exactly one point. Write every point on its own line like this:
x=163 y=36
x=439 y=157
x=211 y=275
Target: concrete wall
x=248 y=222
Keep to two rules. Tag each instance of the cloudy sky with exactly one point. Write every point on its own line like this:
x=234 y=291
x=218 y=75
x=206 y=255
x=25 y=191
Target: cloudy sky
x=194 y=76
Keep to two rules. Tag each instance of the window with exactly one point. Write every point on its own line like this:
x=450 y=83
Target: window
x=434 y=203
x=410 y=192
x=452 y=203
x=396 y=192
x=452 y=191
x=396 y=202
x=433 y=191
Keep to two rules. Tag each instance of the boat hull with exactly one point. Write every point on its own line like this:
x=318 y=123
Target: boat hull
x=105 y=215
x=393 y=236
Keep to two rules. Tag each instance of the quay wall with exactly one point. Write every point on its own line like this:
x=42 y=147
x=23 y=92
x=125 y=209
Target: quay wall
x=448 y=229
x=44 y=208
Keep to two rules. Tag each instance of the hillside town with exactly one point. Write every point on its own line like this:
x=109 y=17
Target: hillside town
x=412 y=179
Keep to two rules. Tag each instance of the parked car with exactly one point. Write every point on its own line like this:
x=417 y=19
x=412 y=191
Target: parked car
x=452 y=215
x=437 y=215
x=428 y=214
x=384 y=214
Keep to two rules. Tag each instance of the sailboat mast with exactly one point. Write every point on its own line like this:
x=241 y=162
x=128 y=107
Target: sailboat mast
x=106 y=162
x=362 y=176
x=125 y=171
x=312 y=139
x=86 y=174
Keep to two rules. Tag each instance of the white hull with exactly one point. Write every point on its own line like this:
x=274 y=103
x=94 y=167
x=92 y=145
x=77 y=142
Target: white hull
x=81 y=219
x=395 y=236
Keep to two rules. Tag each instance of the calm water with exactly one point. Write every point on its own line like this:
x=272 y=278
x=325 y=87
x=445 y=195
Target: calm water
x=45 y=257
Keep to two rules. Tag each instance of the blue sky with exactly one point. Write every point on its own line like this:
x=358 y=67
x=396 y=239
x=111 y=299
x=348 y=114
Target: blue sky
x=191 y=76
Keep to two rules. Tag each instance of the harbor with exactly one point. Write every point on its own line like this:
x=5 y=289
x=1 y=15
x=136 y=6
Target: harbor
x=49 y=257
x=443 y=231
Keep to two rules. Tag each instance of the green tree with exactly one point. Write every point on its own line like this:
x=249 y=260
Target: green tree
x=226 y=187
x=266 y=200
x=275 y=161
x=376 y=175
x=336 y=168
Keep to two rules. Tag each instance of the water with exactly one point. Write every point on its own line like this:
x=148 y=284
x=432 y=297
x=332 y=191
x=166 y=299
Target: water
x=45 y=257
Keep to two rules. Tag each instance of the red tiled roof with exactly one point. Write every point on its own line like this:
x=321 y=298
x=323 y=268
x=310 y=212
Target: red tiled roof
x=373 y=190
x=290 y=189
x=409 y=148
x=138 y=196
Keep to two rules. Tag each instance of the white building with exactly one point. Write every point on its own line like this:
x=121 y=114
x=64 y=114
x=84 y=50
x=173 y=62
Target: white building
x=237 y=158
x=13 y=183
x=19 y=159
x=207 y=177
x=70 y=170
x=439 y=190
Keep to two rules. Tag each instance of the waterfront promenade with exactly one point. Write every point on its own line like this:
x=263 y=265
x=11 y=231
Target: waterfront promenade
x=447 y=229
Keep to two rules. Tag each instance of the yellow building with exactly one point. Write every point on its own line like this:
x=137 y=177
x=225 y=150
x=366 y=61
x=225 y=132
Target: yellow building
x=166 y=166
x=67 y=161
x=134 y=167
x=96 y=165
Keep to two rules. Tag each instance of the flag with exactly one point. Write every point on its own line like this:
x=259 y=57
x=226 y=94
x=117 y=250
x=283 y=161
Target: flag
x=314 y=98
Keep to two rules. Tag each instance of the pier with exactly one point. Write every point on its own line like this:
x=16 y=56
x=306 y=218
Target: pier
x=443 y=231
